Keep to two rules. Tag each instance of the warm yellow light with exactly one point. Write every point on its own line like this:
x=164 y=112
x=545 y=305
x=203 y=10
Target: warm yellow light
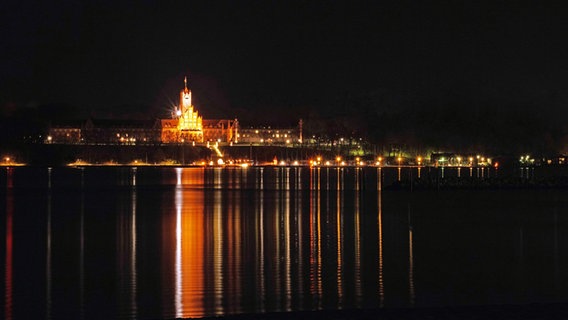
x=338 y=159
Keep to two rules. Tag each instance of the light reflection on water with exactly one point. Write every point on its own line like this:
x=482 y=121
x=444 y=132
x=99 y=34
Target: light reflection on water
x=193 y=242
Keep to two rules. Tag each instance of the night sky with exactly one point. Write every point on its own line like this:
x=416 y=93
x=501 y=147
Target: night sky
x=282 y=60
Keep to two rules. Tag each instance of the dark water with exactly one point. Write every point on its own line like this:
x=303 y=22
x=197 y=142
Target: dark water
x=190 y=242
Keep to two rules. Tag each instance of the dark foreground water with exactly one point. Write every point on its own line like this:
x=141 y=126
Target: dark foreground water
x=148 y=242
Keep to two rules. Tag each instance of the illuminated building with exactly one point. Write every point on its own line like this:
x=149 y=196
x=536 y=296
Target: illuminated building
x=186 y=126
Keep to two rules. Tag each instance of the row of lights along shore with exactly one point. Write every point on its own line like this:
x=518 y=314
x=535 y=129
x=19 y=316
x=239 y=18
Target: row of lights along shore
x=319 y=161
x=400 y=161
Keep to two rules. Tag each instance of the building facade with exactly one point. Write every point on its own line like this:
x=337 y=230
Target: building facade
x=269 y=135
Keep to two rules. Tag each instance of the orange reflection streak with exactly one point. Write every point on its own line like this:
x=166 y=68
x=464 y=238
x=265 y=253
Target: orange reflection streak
x=189 y=245
x=8 y=301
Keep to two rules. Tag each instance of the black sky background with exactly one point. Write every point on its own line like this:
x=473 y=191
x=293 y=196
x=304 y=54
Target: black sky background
x=278 y=61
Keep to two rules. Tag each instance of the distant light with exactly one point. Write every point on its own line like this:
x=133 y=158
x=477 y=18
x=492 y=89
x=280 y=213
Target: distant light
x=220 y=162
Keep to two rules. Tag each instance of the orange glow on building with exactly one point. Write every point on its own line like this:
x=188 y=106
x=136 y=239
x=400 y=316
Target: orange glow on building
x=187 y=125
x=190 y=122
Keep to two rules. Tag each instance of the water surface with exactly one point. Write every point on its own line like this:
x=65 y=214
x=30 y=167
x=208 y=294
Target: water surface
x=121 y=242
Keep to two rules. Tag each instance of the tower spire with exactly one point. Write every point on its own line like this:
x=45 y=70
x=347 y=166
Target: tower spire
x=185 y=82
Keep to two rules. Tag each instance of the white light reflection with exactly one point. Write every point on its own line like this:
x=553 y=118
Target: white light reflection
x=218 y=252
x=315 y=244
x=48 y=253
x=339 y=226
x=82 y=253
x=299 y=242
x=134 y=177
x=287 y=250
x=380 y=232
x=133 y=271
x=410 y=263
x=262 y=253
x=178 y=271
x=357 y=245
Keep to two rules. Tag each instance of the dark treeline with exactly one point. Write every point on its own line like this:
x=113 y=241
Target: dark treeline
x=495 y=129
